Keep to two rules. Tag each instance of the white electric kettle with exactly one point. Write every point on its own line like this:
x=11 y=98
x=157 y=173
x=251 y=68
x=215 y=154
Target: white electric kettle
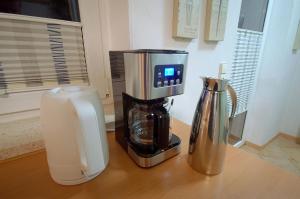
x=74 y=132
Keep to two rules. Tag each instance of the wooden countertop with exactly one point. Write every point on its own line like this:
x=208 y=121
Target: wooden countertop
x=244 y=176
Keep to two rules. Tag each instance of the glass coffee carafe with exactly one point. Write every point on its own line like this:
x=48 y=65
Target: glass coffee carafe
x=148 y=124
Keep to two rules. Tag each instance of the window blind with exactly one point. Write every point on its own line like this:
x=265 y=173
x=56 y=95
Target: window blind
x=245 y=62
x=36 y=55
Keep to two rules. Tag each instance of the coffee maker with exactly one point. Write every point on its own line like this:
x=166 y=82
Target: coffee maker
x=141 y=81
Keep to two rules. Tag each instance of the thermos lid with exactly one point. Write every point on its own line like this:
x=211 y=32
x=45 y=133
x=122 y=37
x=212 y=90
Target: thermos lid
x=214 y=84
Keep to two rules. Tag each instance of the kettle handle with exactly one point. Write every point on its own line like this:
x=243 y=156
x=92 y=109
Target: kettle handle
x=233 y=97
x=88 y=137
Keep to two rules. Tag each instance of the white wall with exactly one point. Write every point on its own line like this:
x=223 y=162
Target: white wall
x=274 y=79
x=118 y=24
x=151 y=27
x=290 y=121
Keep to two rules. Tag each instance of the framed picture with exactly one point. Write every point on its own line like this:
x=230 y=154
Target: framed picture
x=215 y=20
x=186 y=18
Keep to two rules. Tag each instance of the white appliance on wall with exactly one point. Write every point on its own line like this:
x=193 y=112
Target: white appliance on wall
x=74 y=132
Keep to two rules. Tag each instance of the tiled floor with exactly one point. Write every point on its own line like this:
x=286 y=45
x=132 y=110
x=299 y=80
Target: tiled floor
x=282 y=152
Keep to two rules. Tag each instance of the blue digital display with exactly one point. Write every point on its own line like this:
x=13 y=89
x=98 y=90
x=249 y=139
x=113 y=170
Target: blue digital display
x=169 y=72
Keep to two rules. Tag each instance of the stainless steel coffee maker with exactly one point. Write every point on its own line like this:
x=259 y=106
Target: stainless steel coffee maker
x=142 y=80
x=211 y=126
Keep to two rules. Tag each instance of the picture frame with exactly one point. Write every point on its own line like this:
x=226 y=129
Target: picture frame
x=186 y=16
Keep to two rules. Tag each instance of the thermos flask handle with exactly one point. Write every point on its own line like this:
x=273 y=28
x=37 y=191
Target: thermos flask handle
x=233 y=100
x=88 y=137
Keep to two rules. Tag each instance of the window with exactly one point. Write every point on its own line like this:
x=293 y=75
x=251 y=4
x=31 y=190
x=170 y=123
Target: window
x=37 y=55
x=253 y=15
x=246 y=59
x=247 y=50
x=54 y=9
x=94 y=59
x=244 y=65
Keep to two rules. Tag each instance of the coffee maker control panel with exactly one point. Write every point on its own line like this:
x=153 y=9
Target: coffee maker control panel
x=168 y=75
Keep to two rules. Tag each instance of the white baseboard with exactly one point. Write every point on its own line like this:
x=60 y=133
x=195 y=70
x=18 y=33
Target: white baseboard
x=239 y=144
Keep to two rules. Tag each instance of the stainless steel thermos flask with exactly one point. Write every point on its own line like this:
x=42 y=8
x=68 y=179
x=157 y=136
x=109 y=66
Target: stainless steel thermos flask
x=210 y=127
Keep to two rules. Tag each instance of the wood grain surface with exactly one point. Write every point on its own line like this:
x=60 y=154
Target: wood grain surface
x=244 y=176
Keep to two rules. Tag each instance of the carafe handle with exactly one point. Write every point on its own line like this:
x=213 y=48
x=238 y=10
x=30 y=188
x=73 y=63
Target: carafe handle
x=162 y=125
x=233 y=97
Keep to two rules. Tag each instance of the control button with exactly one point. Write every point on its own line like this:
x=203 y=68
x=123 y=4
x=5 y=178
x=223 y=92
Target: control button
x=166 y=83
x=159 y=74
x=171 y=81
x=178 y=72
x=159 y=84
x=177 y=81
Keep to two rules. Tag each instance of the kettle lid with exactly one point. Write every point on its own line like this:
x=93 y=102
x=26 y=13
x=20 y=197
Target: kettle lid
x=70 y=91
x=214 y=84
